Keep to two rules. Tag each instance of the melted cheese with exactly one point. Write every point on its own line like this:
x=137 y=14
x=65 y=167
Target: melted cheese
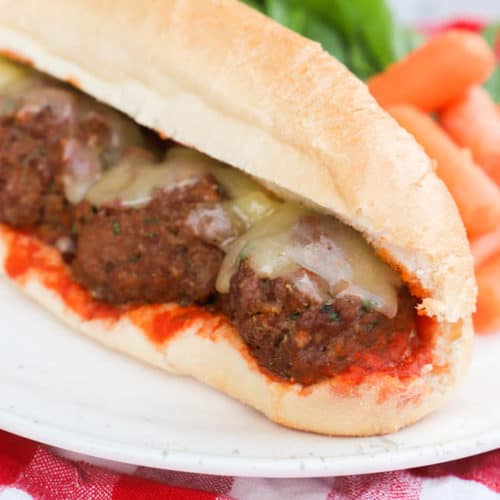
x=84 y=164
x=133 y=184
x=13 y=75
x=248 y=200
x=294 y=238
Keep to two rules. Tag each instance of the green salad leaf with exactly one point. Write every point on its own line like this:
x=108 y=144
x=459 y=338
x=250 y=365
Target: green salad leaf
x=406 y=40
x=253 y=3
x=361 y=33
x=490 y=34
x=291 y=16
x=329 y=38
x=492 y=85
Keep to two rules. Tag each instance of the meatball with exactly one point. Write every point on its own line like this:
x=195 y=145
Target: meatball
x=299 y=338
x=150 y=254
x=31 y=189
x=49 y=140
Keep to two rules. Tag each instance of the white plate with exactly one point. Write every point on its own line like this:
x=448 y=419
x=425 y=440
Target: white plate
x=61 y=389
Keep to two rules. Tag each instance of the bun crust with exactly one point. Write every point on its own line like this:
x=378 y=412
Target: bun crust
x=219 y=77
x=222 y=78
x=217 y=356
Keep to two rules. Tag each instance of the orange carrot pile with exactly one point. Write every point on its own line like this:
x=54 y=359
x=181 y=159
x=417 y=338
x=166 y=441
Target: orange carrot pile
x=485 y=247
x=487 y=316
x=444 y=76
x=476 y=195
x=439 y=71
x=474 y=122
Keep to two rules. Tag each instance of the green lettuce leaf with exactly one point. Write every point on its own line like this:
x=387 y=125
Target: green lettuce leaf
x=492 y=85
x=361 y=33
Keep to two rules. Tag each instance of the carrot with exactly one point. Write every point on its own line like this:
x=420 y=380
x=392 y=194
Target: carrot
x=485 y=247
x=474 y=122
x=487 y=316
x=476 y=195
x=435 y=73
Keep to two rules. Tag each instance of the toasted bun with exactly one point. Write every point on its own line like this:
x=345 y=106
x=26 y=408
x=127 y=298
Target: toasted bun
x=219 y=77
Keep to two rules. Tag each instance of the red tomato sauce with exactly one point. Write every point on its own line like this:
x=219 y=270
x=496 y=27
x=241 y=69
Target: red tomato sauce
x=413 y=366
x=26 y=254
x=160 y=323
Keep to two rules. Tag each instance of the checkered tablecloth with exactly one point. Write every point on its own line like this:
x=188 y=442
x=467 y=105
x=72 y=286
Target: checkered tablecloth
x=29 y=470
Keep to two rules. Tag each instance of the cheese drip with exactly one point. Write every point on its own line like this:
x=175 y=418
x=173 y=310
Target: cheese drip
x=24 y=91
x=133 y=184
x=14 y=77
x=294 y=238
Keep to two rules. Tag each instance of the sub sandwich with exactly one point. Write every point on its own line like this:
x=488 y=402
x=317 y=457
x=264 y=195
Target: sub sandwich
x=191 y=184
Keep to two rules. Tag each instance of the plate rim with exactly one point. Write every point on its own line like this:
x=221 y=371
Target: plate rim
x=238 y=466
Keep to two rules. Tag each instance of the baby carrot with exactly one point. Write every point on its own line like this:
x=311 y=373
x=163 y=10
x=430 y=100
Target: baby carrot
x=485 y=247
x=476 y=195
x=473 y=121
x=487 y=316
x=435 y=73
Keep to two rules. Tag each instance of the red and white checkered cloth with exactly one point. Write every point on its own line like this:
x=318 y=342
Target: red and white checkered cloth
x=30 y=470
